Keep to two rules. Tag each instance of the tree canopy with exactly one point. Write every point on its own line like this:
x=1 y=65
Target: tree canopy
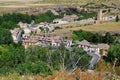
x=5 y=36
x=93 y=37
x=114 y=52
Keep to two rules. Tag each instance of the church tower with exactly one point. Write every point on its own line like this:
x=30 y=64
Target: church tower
x=99 y=16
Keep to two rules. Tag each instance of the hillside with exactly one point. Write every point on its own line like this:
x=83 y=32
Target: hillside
x=22 y=2
x=34 y=46
x=104 y=27
x=11 y=5
x=63 y=1
x=82 y=1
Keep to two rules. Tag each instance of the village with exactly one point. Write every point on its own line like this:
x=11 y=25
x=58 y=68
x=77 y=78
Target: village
x=59 y=40
x=42 y=33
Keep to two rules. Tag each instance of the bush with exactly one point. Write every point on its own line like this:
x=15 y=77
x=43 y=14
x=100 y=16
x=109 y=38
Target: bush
x=40 y=60
x=8 y=25
x=5 y=36
x=113 y=53
x=35 y=68
x=56 y=28
x=47 y=17
x=117 y=18
x=81 y=35
x=94 y=37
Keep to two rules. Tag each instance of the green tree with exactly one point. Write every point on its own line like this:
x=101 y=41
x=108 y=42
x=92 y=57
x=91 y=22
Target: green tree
x=5 y=36
x=8 y=25
x=81 y=35
x=108 y=38
x=113 y=53
x=41 y=28
x=117 y=18
x=16 y=17
x=35 y=68
x=78 y=54
x=11 y=56
x=36 y=53
x=97 y=38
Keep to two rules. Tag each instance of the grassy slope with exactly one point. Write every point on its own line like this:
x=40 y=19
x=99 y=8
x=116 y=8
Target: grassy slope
x=109 y=26
x=56 y=76
x=29 y=3
x=81 y=1
x=60 y=1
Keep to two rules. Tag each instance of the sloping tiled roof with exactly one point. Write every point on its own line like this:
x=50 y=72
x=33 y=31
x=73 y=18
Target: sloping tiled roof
x=84 y=42
x=103 y=46
x=94 y=46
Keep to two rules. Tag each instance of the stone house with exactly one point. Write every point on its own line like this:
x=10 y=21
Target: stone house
x=29 y=42
x=104 y=48
x=99 y=48
x=60 y=21
x=45 y=40
x=23 y=25
x=15 y=34
x=66 y=19
x=84 y=44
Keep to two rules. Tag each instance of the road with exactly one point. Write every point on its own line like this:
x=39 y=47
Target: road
x=96 y=56
x=19 y=35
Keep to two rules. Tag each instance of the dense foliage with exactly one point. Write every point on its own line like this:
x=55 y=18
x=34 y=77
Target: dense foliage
x=47 y=17
x=93 y=37
x=117 y=18
x=9 y=21
x=38 y=59
x=14 y=58
x=113 y=53
x=81 y=14
x=8 y=25
x=5 y=36
x=15 y=17
x=10 y=57
x=85 y=14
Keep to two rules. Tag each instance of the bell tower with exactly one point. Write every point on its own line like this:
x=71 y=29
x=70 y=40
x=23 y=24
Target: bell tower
x=99 y=17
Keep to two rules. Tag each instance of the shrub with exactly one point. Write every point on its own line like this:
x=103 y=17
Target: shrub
x=117 y=18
